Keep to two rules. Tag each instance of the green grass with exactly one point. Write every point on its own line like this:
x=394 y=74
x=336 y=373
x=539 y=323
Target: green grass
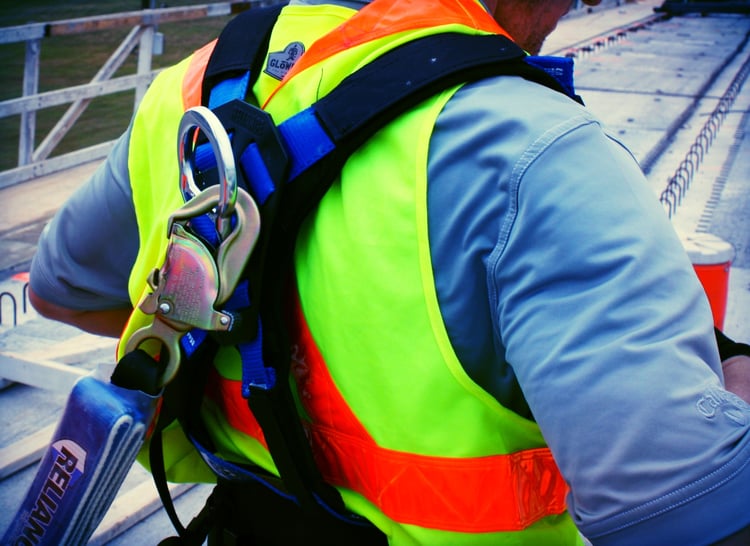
x=74 y=60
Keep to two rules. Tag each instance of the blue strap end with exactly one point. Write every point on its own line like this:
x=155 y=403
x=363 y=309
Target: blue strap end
x=560 y=68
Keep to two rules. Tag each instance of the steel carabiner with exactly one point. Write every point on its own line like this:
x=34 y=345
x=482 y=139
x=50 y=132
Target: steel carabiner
x=200 y=118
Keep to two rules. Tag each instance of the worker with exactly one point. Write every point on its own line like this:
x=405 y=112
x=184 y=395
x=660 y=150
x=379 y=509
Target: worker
x=500 y=339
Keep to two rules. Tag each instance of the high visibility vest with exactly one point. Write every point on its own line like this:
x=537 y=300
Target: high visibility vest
x=395 y=423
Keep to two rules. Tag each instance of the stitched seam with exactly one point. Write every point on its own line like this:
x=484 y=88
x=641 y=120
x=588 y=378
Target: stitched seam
x=677 y=492
x=530 y=155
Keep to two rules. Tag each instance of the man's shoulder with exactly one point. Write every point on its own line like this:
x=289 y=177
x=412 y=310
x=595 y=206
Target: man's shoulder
x=508 y=114
x=517 y=97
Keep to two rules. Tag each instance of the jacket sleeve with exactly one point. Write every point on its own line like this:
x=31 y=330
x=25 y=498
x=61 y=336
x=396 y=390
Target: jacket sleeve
x=85 y=253
x=610 y=336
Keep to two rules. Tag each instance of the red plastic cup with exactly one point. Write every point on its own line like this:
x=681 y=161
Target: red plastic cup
x=712 y=258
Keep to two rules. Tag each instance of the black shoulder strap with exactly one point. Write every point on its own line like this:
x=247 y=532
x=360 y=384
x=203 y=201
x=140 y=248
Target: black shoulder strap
x=415 y=71
x=397 y=81
x=240 y=47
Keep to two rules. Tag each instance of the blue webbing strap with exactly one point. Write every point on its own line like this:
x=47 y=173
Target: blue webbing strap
x=254 y=373
x=436 y=62
x=241 y=46
x=303 y=136
x=256 y=173
x=306 y=141
x=229 y=89
x=560 y=68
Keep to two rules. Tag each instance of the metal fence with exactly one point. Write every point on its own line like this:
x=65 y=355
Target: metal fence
x=34 y=161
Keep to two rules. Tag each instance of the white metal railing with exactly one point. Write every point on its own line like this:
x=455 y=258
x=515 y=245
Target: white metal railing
x=35 y=161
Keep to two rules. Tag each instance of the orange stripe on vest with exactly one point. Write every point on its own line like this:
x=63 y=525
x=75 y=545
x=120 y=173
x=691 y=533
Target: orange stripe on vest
x=373 y=22
x=474 y=495
x=192 y=83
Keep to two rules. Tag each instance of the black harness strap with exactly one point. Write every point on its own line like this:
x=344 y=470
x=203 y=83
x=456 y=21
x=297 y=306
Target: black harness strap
x=241 y=46
x=363 y=103
x=392 y=84
x=413 y=72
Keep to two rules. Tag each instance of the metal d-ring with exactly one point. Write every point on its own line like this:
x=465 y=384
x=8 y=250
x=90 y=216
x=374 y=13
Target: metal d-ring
x=203 y=119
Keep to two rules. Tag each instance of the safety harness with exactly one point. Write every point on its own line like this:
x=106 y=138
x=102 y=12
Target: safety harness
x=287 y=169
